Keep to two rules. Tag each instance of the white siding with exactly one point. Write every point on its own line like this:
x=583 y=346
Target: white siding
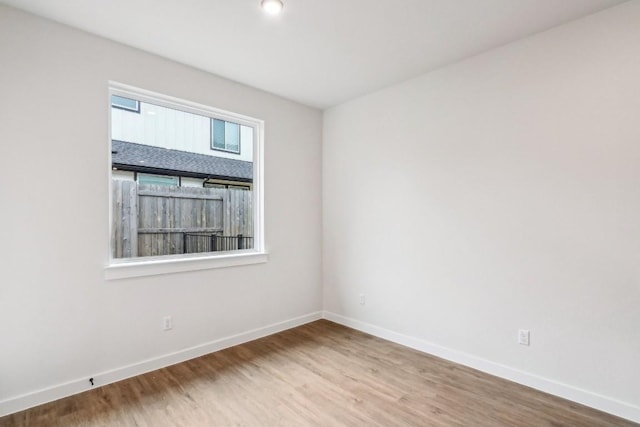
x=123 y=175
x=169 y=128
x=191 y=182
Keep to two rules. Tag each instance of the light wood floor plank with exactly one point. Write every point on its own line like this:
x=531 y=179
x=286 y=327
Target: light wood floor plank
x=320 y=374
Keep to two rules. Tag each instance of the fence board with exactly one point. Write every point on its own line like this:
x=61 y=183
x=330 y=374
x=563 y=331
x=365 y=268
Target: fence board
x=153 y=219
x=133 y=223
x=116 y=217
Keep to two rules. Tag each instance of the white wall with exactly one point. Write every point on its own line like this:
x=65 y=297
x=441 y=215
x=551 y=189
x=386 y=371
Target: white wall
x=499 y=193
x=60 y=320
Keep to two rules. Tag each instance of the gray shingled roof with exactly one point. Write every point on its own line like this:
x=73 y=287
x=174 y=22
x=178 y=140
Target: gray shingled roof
x=145 y=158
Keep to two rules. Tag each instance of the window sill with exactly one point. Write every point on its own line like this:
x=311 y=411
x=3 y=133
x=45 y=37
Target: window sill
x=122 y=269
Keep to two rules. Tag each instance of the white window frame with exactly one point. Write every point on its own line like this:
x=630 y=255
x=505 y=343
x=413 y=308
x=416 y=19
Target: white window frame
x=119 y=268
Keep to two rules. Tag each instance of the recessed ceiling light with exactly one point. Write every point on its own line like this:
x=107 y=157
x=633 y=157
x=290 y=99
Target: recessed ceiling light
x=272 y=7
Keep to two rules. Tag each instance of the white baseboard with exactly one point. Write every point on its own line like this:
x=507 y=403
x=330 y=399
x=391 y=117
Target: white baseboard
x=603 y=403
x=59 y=391
x=593 y=400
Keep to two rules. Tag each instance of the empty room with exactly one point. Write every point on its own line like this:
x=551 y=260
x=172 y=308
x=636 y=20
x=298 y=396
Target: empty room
x=304 y=212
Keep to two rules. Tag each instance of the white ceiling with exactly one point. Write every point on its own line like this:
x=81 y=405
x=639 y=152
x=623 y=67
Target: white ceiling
x=317 y=52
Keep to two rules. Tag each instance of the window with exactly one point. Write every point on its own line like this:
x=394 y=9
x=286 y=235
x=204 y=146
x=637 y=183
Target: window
x=225 y=135
x=144 y=178
x=215 y=183
x=161 y=204
x=125 y=103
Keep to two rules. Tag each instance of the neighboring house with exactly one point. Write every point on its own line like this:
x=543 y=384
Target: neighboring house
x=155 y=165
x=159 y=145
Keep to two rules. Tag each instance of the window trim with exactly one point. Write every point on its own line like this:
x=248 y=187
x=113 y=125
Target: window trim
x=168 y=264
x=119 y=268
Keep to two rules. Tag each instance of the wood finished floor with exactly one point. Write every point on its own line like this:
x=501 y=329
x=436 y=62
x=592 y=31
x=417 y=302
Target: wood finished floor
x=320 y=374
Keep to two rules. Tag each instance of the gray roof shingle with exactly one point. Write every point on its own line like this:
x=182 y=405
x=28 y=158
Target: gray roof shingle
x=146 y=158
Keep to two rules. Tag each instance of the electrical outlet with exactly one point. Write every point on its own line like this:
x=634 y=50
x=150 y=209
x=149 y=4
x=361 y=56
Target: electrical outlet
x=362 y=299
x=167 y=323
x=523 y=336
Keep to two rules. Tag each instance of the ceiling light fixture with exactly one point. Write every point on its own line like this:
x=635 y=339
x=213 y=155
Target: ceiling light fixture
x=272 y=7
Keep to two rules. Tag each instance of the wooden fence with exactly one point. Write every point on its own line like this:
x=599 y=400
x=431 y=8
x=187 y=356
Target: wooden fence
x=154 y=219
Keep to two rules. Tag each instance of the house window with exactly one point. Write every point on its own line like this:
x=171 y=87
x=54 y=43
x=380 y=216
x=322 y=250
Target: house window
x=144 y=178
x=166 y=212
x=125 y=103
x=216 y=183
x=225 y=135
